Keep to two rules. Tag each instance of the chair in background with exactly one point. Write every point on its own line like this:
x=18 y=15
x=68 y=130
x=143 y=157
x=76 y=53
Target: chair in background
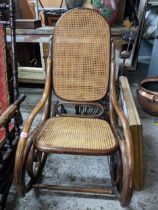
x=81 y=72
x=10 y=117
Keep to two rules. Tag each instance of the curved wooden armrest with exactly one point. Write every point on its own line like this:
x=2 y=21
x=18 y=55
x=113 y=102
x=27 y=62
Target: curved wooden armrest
x=10 y=111
x=125 y=149
x=123 y=120
x=114 y=105
x=125 y=142
x=42 y=102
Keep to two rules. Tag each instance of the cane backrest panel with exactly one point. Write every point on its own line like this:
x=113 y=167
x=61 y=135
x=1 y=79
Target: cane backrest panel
x=81 y=53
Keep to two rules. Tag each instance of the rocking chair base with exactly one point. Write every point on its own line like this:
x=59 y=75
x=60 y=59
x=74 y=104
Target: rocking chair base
x=86 y=191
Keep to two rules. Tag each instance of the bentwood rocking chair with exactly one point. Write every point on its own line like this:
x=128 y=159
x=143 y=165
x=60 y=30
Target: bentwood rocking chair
x=81 y=73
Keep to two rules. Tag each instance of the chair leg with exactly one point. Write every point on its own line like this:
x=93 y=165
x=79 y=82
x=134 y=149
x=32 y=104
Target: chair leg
x=25 y=171
x=122 y=175
x=35 y=162
x=20 y=168
x=116 y=168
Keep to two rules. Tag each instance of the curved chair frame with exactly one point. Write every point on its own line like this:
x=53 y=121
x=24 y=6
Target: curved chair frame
x=121 y=159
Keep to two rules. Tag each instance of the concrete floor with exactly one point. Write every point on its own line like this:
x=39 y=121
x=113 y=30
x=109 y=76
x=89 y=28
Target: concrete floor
x=75 y=169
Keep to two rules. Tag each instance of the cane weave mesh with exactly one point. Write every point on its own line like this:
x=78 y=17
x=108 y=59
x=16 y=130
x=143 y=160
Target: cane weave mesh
x=81 y=53
x=76 y=133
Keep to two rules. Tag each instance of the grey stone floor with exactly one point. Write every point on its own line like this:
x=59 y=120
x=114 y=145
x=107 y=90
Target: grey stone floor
x=75 y=169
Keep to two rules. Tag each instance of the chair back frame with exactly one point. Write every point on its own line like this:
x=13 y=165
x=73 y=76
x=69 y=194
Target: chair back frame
x=81 y=56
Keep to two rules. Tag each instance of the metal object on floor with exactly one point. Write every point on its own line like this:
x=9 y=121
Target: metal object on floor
x=147 y=95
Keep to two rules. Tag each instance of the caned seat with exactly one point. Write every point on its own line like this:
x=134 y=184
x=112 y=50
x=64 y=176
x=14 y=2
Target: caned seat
x=76 y=135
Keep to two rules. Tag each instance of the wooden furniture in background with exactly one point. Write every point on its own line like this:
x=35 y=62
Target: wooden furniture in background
x=50 y=20
x=117 y=31
x=10 y=116
x=131 y=113
x=52 y=4
x=28 y=23
x=4 y=86
x=26 y=9
x=41 y=36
